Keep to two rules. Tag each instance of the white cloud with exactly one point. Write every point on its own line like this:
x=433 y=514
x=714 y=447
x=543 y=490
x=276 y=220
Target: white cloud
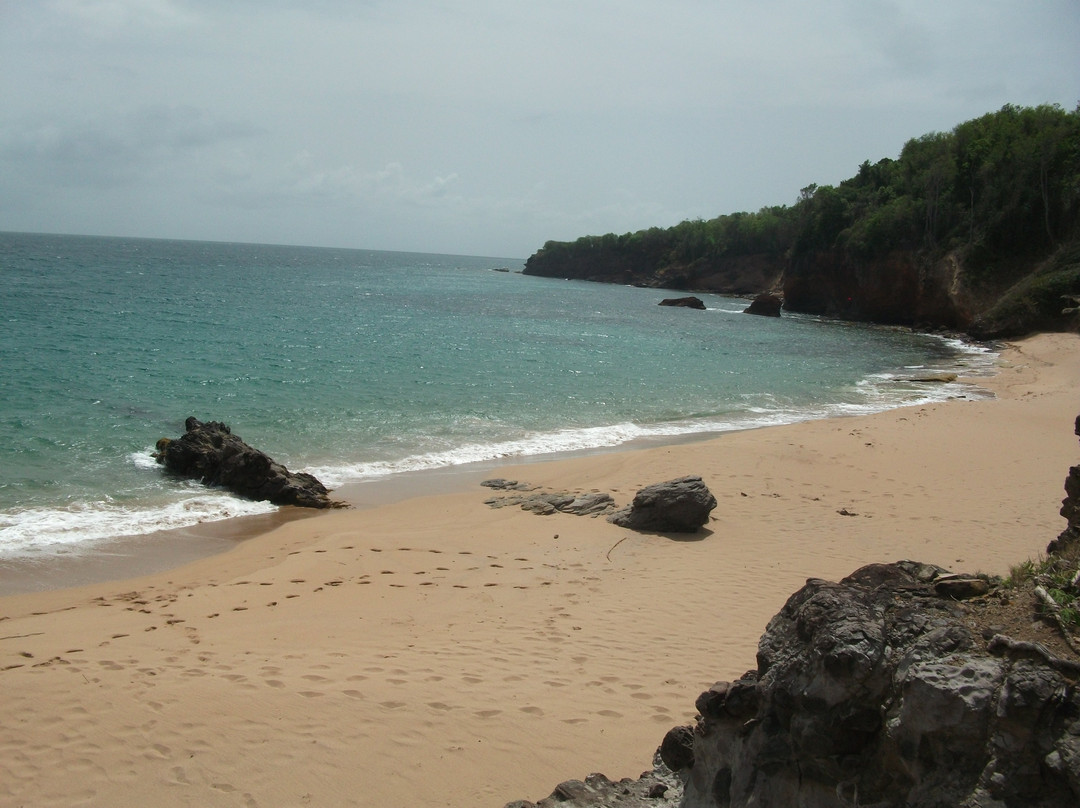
x=482 y=125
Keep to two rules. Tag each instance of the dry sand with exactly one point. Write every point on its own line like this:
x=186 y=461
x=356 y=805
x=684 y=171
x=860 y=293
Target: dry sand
x=437 y=651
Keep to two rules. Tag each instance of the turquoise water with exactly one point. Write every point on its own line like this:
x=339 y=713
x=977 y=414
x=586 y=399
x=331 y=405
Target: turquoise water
x=356 y=364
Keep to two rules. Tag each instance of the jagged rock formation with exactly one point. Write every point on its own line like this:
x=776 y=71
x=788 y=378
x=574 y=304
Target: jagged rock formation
x=876 y=691
x=211 y=453
x=676 y=506
x=1070 y=508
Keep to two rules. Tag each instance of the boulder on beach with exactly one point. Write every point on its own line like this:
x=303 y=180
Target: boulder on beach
x=682 y=505
x=211 y=453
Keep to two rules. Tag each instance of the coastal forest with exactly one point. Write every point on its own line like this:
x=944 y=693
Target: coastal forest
x=977 y=229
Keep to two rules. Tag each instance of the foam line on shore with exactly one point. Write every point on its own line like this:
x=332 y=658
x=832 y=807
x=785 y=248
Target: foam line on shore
x=470 y=655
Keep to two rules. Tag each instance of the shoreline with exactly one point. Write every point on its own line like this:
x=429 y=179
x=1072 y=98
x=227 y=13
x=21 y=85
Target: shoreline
x=435 y=650
x=137 y=555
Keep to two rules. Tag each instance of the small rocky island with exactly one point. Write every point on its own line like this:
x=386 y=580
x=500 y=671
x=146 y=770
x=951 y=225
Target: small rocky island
x=210 y=452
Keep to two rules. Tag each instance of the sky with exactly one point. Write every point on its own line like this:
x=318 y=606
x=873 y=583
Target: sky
x=483 y=127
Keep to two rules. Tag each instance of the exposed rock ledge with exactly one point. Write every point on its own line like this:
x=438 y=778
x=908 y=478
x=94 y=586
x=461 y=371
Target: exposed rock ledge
x=883 y=690
x=682 y=505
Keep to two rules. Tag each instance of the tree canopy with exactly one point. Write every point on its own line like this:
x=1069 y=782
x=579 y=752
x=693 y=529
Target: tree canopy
x=999 y=187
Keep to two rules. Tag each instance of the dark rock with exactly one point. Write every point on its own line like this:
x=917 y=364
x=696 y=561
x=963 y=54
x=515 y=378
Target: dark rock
x=874 y=691
x=1070 y=508
x=675 y=506
x=677 y=748
x=658 y=788
x=211 y=453
x=767 y=305
x=684 y=302
x=929 y=377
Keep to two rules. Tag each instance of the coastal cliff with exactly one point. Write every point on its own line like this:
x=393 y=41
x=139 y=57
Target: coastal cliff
x=976 y=230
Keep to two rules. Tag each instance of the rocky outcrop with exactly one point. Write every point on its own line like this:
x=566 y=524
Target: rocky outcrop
x=684 y=302
x=766 y=305
x=676 y=506
x=659 y=788
x=211 y=453
x=897 y=289
x=544 y=503
x=877 y=691
x=1070 y=508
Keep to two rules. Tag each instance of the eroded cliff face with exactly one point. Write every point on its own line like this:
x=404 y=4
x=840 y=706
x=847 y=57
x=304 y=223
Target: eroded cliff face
x=1005 y=296
x=899 y=289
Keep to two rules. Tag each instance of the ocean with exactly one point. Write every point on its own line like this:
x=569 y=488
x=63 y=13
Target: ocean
x=356 y=365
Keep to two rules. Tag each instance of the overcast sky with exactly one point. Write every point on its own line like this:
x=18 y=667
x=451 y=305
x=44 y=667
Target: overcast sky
x=483 y=127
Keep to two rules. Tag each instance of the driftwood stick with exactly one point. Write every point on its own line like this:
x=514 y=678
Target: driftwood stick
x=616 y=544
x=1001 y=645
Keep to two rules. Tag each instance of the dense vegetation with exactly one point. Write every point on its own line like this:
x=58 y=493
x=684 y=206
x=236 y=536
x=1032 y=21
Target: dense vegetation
x=997 y=196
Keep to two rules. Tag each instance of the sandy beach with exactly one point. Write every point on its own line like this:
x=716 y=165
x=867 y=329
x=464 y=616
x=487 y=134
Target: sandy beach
x=438 y=651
